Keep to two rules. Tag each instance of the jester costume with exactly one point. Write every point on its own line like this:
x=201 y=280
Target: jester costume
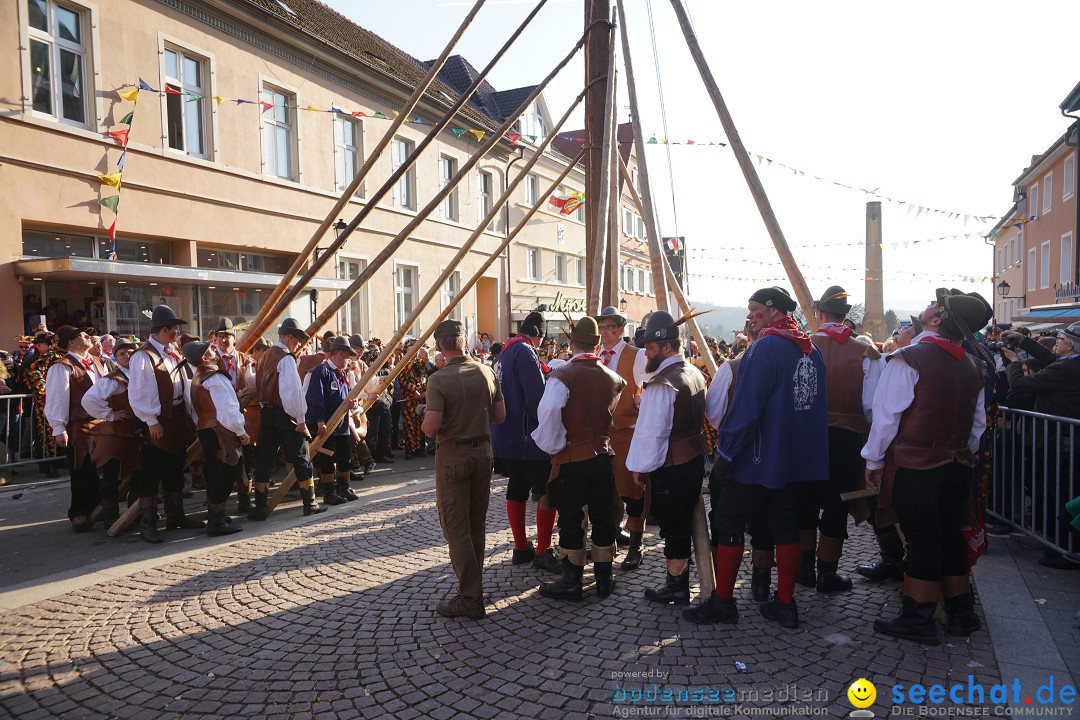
x=35 y=380
x=413 y=383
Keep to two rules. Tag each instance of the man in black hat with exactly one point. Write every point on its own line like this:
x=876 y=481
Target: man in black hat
x=283 y=421
x=116 y=452
x=928 y=422
x=628 y=362
x=156 y=380
x=220 y=424
x=668 y=445
x=852 y=369
x=241 y=370
x=771 y=439
x=574 y=421
x=328 y=388
x=66 y=382
x=522 y=383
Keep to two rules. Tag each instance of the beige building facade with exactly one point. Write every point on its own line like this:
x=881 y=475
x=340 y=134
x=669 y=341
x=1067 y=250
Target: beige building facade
x=218 y=197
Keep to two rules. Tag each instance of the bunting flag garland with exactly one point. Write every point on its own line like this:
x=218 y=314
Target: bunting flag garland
x=120 y=136
x=144 y=86
x=126 y=120
x=120 y=162
x=110 y=202
x=953 y=279
x=265 y=105
x=130 y=95
x=513 y=138
x=112 y=179
x=479 y=134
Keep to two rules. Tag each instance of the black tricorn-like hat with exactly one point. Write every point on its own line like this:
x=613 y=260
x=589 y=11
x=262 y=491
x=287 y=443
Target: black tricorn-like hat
x=163 y=316
x=225 y=325
x=339 y=344
x=833 y=301
x=289 y=326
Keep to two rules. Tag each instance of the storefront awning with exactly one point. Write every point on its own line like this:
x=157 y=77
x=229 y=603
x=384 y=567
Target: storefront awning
x=1055 y=316
x=77 y=268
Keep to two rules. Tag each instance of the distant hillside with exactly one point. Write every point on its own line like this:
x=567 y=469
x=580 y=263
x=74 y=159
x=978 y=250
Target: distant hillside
x=721 y=321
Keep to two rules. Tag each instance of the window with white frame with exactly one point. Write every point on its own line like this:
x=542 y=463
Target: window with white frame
x=448 y=168
x=532 y=189
x=1068 y=177
x=404 y=292
x=279 y=133
x=450 y=290
x=405 y=189
x=1044 y=265
x=348 y=151
x=1032 y=267
x=1033 y=201
x=1048 y=193
x=186 y=121
x=581 y=271
x=622 y=277
x=629 y=279
x=533 y=268
x=484 y=185
x=59 y=51
x=560 y=267
x=627 y=221
x=1066 y=273
x=352 y=320
x=649 y=283
x=641 y=280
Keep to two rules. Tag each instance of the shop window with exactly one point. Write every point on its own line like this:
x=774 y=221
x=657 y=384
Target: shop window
x=51 y=245
x=220 y=259
x=136 y=251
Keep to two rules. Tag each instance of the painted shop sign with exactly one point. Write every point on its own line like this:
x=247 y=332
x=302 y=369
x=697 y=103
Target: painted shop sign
x=565 y=304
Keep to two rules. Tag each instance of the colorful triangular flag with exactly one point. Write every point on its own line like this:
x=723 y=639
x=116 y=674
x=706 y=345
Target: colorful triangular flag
x=110 y=202
x=513 y=138
x=359 y=113
x=170 y=90
x=126 y=120
x=479 y=134
x=131 y=95
x=143 y=85
x=120 y=162
x=458 y=131
x=112 y=232
x=218 y=99
x=120 y=136
x=112 y=179
x=265 y=105
x=380 y=116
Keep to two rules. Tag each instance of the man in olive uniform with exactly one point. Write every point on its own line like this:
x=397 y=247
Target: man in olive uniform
x=574 y=421
x=156 y=380
x=463 y=401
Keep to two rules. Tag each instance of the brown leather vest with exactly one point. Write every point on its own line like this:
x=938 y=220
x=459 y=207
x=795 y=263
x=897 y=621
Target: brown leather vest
x=81 y=382
x=844 y=380
x=307 y=363
x=594 y=394
x=244 y=370
x=934 y=430
x=201 y=402
x=119 y=402
x=626 y=412
x=267 y=389
x=686 y=441
x=161 y=376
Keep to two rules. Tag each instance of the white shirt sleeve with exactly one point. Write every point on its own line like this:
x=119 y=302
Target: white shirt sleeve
x=290 y=389
x=871 y=374
x=57 y=397
x=96 y=399
x=895 y=393
x=640 y=375
x=190 y=405
x=550 y=434
x=226 y=405
x=978 y=424
x=716 y=396
x=142 y=389
x=648 y=448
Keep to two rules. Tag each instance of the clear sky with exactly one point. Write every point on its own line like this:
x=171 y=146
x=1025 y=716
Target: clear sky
x=937 y=104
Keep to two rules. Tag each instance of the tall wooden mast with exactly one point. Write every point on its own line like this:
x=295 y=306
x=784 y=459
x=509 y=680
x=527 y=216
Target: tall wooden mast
x=598 y=38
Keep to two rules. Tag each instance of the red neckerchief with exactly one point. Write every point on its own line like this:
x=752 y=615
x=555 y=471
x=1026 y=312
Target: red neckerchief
x=86 y=364
x=586 y=357
x=839 y=332
x=786 y=328
x=514 y=341
x=342 y=379
x=953 y=349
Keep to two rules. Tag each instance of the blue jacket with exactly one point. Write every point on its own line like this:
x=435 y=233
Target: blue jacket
x=522 y=384
x=326 y=390
x=777 y=429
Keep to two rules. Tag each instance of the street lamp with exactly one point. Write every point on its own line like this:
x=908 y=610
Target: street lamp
x=1003 y=289
x=339 y=227
x=622 y=304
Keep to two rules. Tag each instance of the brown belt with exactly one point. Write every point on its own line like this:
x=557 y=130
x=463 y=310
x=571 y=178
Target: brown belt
x=470 y=442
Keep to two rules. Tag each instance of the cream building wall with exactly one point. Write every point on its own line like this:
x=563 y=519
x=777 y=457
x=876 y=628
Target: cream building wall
x=228 y=200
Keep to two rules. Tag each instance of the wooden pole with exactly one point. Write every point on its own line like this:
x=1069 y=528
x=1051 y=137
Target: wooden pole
x=648 y=214
x=874 y=319
x=388 y=251
x=265 y=315
x=603 y=195
x=757 y=190
x=598 y=36
x=355 y=393
x=611 y=272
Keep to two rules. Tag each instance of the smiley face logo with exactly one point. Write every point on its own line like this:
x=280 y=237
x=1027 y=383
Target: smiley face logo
x=862 y=693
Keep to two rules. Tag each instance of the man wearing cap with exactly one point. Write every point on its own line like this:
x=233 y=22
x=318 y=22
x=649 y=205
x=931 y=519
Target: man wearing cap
x=220 y=425
x=327 y=388
x=463 y=402
x=772 y=438
x=156 y=380
x=241 y=370
x=928 y=422
x=1057 y=386
x=283 y=421
x=67 y=380
x=627 y=362
x=852 y=369
x=116 y=452
x=574 y=417
x=522 y=383
x=669 y=446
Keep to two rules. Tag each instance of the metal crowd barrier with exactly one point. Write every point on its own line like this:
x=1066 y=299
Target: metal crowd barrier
x=1035 y=475
x=19 y=443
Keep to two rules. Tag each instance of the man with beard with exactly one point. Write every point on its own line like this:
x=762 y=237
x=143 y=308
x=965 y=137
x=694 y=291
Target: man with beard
x=770 y=440
x=669 y=446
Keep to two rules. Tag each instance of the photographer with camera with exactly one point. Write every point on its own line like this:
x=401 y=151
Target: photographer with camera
x=1057 y=386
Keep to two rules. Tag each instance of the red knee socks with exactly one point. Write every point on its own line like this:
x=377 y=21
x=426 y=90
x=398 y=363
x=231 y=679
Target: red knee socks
x=545 y=521
x=728 y=559
x=515 y=513
x=787 y=564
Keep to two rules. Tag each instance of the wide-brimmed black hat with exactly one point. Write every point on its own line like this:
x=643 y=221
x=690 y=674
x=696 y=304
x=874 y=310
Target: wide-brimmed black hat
x=289 y=326
x=660 y=327
x=163 y=316
x=65 y=334
x=961 y=313
x=833 y=301
x=339 y=344
x=194 y=351
x=585 y=331
x=610 y=313
x=225 y=325
x=46 y=337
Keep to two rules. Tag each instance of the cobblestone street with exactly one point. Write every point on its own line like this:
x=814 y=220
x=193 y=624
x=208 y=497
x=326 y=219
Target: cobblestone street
x=334 y=619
